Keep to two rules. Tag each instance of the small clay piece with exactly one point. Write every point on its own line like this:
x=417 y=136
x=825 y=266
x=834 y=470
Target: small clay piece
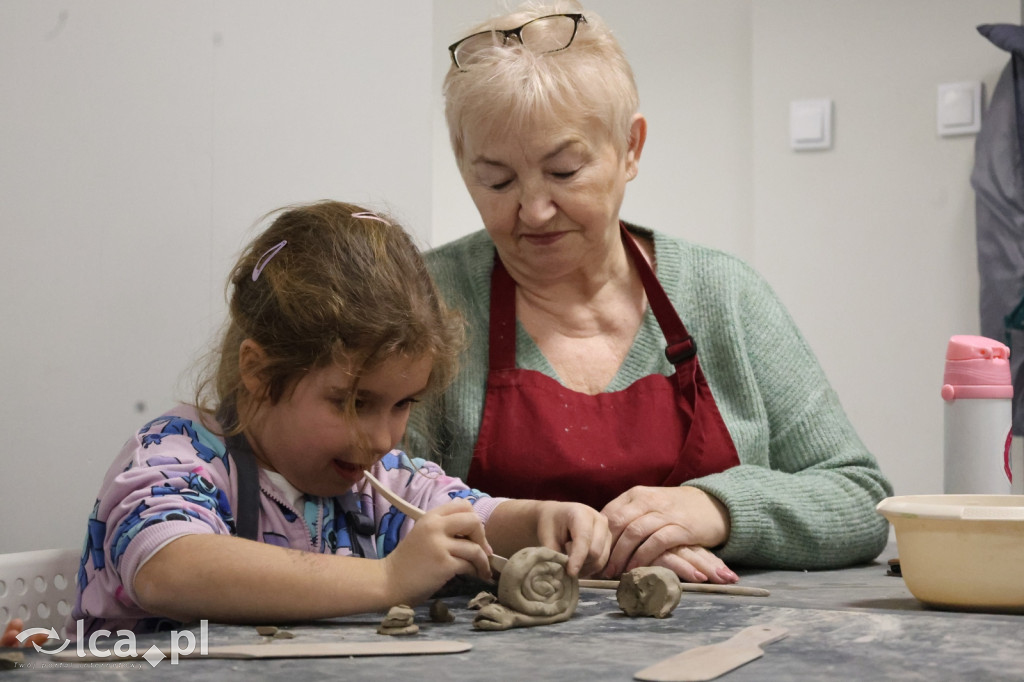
x=534 y=589
x=273 y=631
x=481 y=600
x=649 y=591
x=9 y=660
x=439 y=612
x=398 y=621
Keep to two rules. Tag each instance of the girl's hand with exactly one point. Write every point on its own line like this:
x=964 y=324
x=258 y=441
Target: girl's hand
x=448 y=541
x=13 y=629
x=669 y=527
x=577 y=530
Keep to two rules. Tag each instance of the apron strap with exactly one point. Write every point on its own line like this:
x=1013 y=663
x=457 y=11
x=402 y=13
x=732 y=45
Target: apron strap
x=247 y=516
x=502 y=342
x=361 y=528
x=681 y=346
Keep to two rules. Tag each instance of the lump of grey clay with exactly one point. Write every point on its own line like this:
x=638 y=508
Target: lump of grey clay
x=649 y=591
x=534 y=589
x=9 y=660
x=273 y=631
x=439 y=612
x=481 y=600
x=398 y=621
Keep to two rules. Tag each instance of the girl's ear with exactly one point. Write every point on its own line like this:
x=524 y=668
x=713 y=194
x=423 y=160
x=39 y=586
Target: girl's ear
x=251 y=361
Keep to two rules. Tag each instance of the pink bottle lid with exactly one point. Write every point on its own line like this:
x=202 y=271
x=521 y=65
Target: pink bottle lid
x=976 y=367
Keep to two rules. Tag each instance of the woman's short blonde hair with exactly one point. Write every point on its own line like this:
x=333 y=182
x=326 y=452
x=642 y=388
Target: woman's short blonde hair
x=510 y=86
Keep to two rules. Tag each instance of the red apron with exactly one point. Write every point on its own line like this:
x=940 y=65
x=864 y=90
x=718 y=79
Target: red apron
x=541 y=440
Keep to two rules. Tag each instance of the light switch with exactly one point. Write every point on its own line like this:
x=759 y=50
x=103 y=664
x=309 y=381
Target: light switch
x=810 y=124
x=959 y=108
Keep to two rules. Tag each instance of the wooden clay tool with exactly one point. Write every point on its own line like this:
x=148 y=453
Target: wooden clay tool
x=291 y=649
x=739 y=590
x=407 y=508
x=414 y=513
x=710 y=661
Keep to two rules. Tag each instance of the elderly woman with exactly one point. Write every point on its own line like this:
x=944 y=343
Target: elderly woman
x=656 y=380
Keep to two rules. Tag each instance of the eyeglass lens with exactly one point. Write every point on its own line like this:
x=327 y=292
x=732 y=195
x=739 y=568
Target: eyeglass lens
x=546 y=34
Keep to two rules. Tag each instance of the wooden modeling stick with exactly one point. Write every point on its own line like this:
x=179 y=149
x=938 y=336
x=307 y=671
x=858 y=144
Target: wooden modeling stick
x=415 y=513
x=688 y=587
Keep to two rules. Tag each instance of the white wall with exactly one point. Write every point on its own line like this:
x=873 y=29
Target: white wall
x=139 y=141
x=872 y=243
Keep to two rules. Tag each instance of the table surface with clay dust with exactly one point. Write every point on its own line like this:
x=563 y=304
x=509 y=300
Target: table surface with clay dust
x=852 y=624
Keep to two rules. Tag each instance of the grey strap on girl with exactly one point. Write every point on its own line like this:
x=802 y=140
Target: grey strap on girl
x=361 y=529
x=247 y=516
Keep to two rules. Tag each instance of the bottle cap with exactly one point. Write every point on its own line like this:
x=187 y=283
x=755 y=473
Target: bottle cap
x=976 y=367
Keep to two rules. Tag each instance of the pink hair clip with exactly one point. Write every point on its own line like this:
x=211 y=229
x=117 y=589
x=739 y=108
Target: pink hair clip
x=370 y=216
x=265 y=258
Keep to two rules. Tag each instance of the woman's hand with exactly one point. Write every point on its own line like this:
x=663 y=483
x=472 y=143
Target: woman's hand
x=669 y=527
x=449 y=540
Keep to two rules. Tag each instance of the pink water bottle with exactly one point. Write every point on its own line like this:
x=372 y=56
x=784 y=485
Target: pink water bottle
x=979 y=396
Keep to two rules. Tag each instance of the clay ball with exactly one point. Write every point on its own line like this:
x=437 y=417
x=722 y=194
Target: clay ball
x=649 y=591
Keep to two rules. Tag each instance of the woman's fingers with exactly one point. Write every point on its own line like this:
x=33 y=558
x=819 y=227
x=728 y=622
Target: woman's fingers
x=645 y=522
x=654 y=528
x=657 y=535
x=696 y=564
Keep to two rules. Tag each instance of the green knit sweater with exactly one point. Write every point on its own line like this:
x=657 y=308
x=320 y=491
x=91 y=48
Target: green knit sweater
x=804 y=494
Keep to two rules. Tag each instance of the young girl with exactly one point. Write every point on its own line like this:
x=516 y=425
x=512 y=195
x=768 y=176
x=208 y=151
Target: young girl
x=334 y=329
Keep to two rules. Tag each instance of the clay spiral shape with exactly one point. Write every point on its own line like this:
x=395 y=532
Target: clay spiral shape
x=534 y=583
x=534 y=589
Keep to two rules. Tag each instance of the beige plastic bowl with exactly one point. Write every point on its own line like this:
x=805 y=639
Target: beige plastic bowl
x=961 y=552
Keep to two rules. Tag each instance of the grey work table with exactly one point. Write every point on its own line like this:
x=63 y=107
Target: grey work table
x=852 y=624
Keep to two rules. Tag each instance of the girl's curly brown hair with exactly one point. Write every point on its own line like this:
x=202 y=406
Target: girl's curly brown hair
x=344 y=288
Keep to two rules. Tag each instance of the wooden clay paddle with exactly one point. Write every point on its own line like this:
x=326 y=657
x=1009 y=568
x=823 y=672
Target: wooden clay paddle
x=739 y=590
x=713 y=660
x=288 y=649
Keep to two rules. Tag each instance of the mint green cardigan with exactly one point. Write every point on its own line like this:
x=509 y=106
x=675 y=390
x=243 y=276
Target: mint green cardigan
x=804 y=494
